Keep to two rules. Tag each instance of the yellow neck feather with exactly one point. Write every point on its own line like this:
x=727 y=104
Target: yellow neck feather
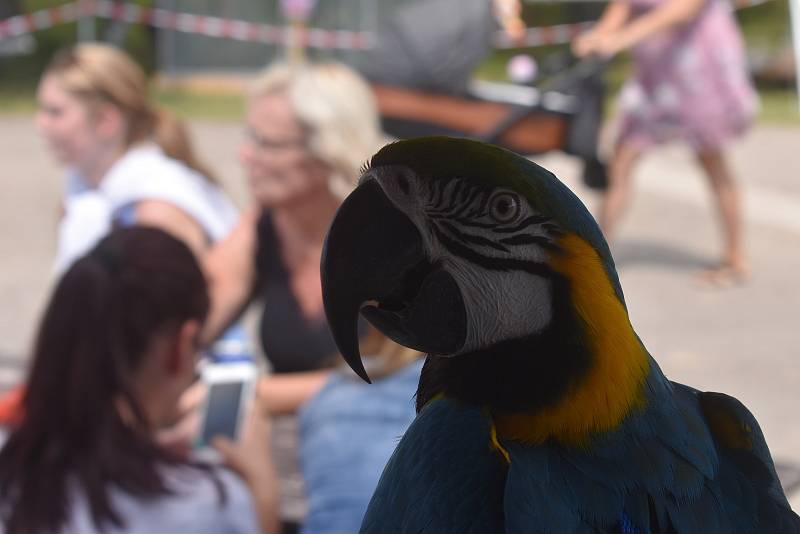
x=612 y=387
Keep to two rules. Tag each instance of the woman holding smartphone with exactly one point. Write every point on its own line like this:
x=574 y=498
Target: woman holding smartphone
x=82 y=456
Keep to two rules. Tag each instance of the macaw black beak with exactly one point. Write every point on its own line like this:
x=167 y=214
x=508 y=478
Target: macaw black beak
x=374 y=263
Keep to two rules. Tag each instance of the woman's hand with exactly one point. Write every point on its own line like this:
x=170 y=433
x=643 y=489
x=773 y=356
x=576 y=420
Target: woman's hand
x=515 y=28
x=611 y=44
x=586 y=44
x=605 y=45
x=180 y=435
x=509 y=14
x=251 y=458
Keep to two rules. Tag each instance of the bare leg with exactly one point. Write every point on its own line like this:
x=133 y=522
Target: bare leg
x=616 y=195
x=733 y=267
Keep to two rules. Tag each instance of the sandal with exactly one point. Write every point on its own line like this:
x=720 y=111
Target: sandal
x=723 y=276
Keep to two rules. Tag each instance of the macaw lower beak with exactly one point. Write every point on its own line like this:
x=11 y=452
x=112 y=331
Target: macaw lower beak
x=374 y=262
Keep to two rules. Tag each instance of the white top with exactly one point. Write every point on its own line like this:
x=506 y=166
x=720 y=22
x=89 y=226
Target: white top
x=143 y=173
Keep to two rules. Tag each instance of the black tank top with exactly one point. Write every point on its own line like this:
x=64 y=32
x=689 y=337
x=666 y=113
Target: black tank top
x=291 y=341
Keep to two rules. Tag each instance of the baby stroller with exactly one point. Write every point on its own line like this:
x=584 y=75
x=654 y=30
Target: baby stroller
x=421 y=70
x=565 y=115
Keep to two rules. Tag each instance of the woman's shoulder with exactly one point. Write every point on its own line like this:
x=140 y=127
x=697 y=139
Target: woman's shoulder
x=146 y=173
x=201 y=502
x=141 y=158
x=146 y=169
x=345 y=396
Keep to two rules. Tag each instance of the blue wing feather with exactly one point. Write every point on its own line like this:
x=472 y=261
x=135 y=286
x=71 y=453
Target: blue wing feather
x=749 y=486
x=442 y=478
x=663 y=469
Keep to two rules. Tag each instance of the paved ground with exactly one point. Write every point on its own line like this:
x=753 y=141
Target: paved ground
x=741 y=341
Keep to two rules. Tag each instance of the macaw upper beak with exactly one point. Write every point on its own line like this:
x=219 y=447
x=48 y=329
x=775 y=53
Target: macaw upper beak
x=374 y=262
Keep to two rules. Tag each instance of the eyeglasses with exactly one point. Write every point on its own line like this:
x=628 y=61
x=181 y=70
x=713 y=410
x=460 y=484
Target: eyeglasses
x=264 y=143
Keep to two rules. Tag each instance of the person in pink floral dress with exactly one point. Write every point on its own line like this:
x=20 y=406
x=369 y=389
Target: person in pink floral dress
x=689 y=83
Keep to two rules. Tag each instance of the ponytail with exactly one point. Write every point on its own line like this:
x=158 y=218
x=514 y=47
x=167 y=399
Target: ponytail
x=74 y=434
x=171 y=135
x=95 y=72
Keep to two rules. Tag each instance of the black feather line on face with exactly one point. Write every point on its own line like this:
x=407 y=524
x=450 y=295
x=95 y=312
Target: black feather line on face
x=530 y=221
x=493 y=263
x=528 y=239
x=437 y=190
x=470 y=223
x=467 y=202
x=462 y=197
x=455 y=192
x=454 y=203
x=480 y=211
x=469 y=238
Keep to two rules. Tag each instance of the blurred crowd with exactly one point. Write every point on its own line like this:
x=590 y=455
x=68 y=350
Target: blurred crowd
x=158 y=264
x=155 y=266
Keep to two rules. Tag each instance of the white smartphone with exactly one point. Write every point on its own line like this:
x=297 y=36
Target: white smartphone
x=227 y=402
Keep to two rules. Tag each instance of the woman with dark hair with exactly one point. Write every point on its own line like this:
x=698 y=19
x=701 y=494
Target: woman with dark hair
x=115 y=350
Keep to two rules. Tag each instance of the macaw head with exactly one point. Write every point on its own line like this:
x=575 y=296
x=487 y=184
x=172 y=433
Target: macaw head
x=452 y=246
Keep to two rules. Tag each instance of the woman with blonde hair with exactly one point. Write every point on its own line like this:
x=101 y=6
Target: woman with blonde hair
x=127 y=160
x=309 y=128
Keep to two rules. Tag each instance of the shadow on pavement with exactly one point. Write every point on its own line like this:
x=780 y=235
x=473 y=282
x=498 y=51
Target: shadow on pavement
x=789 y=475
x=632 y=253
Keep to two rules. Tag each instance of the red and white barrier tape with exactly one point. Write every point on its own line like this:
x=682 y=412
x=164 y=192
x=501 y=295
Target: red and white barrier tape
x=545 y=35
x=38 y=20
x=239 y=30
x=242 y=30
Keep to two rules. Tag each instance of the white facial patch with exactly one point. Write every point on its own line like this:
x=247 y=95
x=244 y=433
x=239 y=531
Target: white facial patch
x=490 y=240
x=501 y=305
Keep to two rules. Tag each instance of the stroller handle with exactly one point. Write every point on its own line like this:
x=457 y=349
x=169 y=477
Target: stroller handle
x=580 y=70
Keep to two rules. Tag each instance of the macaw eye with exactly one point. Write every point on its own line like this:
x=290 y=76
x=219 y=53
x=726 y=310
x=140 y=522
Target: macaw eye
x=504 y=207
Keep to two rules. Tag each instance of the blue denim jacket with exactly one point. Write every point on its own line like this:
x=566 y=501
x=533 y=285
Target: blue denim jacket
x=348 y=431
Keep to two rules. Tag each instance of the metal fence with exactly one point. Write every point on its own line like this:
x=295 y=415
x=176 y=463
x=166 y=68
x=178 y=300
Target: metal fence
x=181 y=52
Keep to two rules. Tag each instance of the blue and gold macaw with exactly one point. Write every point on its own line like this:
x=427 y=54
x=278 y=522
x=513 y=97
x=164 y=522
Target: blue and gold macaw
x=539 y=408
